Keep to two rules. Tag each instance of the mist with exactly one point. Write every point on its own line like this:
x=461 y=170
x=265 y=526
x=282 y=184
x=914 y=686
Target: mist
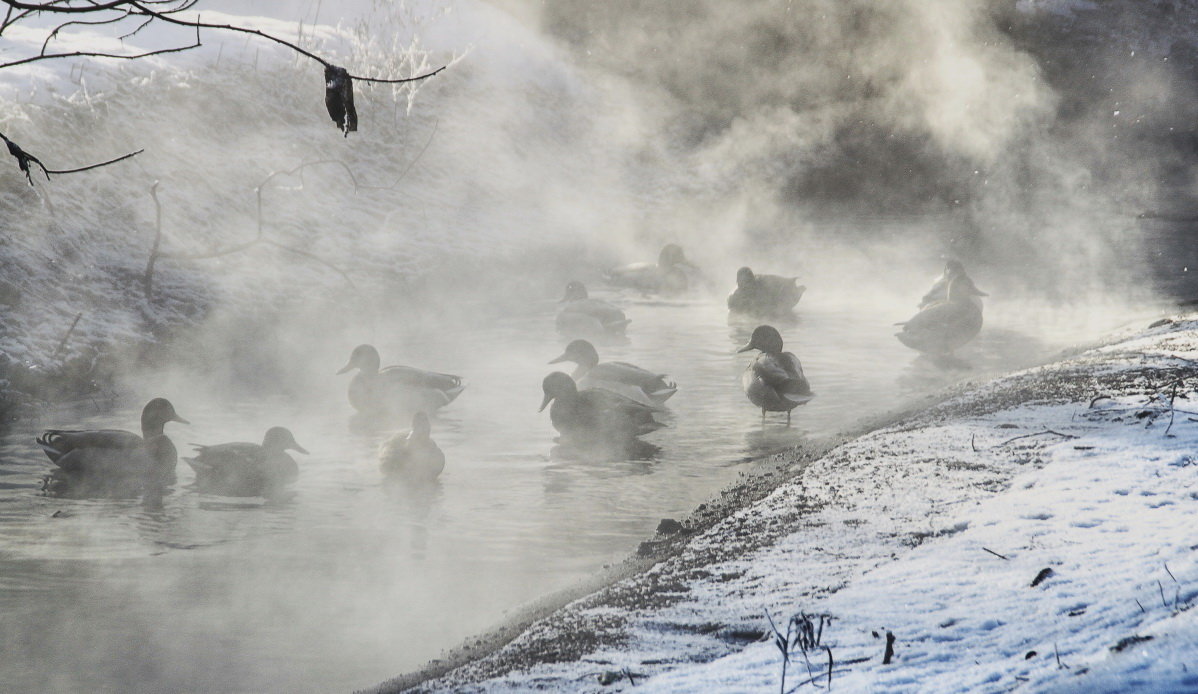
x=854 y=144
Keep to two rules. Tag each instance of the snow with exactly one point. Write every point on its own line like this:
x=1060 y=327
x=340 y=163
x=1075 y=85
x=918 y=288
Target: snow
x=899 y=530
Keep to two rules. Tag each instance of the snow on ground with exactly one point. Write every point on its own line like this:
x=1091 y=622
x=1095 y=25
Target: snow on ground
x=1081 y=468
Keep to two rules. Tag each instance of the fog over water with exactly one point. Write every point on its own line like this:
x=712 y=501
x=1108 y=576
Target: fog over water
x=856 y=145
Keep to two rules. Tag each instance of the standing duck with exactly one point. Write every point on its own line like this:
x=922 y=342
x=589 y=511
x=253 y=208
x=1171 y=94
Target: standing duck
x=247 y=469
x=112 y=462
x=582 y=315
x=944 y=326
x=396 y=388
x=764 y=295
x=939 y=291
x=412 y=455
x=641 y=385
x=667 y=276
x=774 y=381
x=593 y=415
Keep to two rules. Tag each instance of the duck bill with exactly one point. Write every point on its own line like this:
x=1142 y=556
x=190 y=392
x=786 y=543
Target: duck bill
x=179 y=419
x=979 y=292
x=746 y=348
x=560 y=359
x=545 y=403
x=346 y=368
x=299 y=449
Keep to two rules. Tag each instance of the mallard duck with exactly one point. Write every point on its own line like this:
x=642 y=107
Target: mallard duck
x=582 y=315
x=939 y=291
x=108 y=462
x=247 y=469
x=667 y=275
x=944 y=326
x=764 y=295
x=592 y=414
x=774 y=381
x=412 y=455
x=639 y=384
x=396 y=388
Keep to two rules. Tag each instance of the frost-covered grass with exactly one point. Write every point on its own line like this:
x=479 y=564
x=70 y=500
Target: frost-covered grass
x=1085 y=468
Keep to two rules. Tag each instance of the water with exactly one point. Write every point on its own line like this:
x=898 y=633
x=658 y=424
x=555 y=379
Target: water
x=351 y=582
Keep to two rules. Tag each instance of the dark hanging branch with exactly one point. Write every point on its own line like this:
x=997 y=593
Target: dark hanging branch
x=26 y=161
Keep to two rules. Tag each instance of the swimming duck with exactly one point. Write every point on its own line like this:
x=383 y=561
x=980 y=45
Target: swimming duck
x=774 y=381
x=944 y=326
x=582 y=315
x=764 y=295
x=594 y=415
x=412 y=455
x=641 y=385
x=396 y=388
x=668 y=275
x=112 y=462
x=939 y=291
x=247 y=469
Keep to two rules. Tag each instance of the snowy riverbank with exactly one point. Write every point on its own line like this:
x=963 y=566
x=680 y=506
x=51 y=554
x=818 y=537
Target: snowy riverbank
x=1081 y=468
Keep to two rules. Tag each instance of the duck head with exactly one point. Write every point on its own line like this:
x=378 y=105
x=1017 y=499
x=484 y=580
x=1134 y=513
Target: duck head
x=960 y=288
x=765 y=338
x=281 y=439
x=156 y=414
x=580 y=352
x=421 y=427
x=364 y=357
x=744 y=277
x=952 y=268
x=575 y=291
x=557 y=385
x=671 y=255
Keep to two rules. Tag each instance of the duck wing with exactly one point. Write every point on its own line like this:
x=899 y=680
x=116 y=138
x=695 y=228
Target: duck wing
x=616 y=414
x=59 y=444
x=411 y=377
x=224 y=456
x=783 y=374
x=652 y=384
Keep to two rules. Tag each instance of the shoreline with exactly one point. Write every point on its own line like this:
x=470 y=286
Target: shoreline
x=562 y=640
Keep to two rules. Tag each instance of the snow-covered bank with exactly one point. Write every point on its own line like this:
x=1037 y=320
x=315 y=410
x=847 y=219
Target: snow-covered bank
x=1082 y=467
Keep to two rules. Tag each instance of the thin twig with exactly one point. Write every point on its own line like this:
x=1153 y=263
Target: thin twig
x=995 y=553
x=63 y=342
x=1038 y=433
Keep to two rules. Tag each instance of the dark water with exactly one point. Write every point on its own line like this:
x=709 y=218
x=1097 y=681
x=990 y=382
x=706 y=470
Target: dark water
x=350 y=582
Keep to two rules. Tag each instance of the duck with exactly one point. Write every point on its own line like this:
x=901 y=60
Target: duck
x=593 y=415
x=939 y=291
x=582 y=315
x=764 y=295
x=412 y=455
x=641 y=385
x=774 y=380
x=944 y=326
x=247 y=469
x=667 y=276
x=113 y=462
x=396 y=388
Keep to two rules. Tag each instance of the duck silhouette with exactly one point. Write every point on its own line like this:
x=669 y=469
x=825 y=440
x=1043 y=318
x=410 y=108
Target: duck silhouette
x=396 y=389
x=774 y=380
x=764 y=295
x=666 y=276
x=247 y=469
x=944 y=326
x=627 y=379
x=593 y=415
x=582 y=316
x=412 y=455
x=113 y=462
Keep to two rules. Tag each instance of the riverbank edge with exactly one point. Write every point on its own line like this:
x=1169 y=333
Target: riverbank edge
x=1047 y=382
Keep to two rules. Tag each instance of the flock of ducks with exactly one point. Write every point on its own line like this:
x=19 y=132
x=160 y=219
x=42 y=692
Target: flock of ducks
x=599 y=404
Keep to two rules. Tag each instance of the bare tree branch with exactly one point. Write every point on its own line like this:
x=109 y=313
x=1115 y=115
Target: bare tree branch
x=26 y=161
